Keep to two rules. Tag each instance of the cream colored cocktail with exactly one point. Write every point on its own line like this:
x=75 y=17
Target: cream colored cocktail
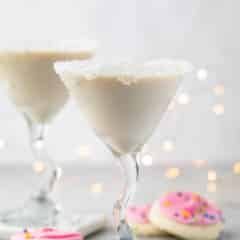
x=123 y=103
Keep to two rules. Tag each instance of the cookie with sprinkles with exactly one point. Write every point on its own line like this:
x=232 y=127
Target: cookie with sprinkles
x=46 y=234
x=187 y=215
x=138 y=220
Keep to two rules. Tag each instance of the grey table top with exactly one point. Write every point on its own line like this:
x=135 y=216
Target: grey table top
x=74 y=191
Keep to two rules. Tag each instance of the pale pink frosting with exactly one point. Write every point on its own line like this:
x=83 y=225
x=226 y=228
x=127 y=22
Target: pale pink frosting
x=47 y=234
x=189 y=208
x=138 y=214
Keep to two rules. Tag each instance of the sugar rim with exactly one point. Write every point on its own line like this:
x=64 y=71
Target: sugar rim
x=85 y=45
x=90 y=69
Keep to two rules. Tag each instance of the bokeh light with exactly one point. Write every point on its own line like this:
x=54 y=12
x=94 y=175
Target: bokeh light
x=83 y=151
x=96 y=187
x=168 y=146
x=2 y=144
x=212 y=175
x=218 y=109
x=199 y=163
x=211 y=187
x=38 y=167
x=172 y=173
x=183 y=99
x=147 y=160
x=219 y=90
x=236 y=168
x=202 y=74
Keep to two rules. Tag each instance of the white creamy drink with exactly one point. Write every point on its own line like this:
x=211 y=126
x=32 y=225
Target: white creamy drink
x=123 y=102
x=32 y=84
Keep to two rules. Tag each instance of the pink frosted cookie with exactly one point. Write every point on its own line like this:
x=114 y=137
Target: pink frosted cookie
x=187 y=215
x=137 y=218
x=47 y=234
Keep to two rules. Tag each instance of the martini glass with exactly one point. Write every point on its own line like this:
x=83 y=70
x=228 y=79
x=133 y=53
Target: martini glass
x=123 y=103
x=35 y=89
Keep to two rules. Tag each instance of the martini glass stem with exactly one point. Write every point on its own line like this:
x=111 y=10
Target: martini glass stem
x=40 y=210
x=37 y=134
x=130 y=168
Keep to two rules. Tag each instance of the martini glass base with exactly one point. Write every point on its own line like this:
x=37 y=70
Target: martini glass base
x=124 y=231
x=37 y=212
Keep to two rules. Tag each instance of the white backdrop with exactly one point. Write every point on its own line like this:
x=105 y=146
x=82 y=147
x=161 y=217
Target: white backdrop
x=202 y=31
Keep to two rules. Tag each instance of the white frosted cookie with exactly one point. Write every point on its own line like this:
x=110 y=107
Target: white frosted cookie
x=47 y=234
x=137 y=218
x=187 y=215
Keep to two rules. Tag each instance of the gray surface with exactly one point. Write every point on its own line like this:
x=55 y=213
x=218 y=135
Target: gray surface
x=75 y=195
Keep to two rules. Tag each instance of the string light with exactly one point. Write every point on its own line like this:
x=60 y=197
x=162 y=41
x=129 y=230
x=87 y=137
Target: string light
x=172 y=173
x=211 y=187
x=39 y=167
x=183 y=98
x=218 y=109
x=219 y=90
x=168 y=146
x=202 y=74
x=236 y=168
x=212 y=175
x=147 y=160
x=96 y=188
x=2 y=144
x=83 y=151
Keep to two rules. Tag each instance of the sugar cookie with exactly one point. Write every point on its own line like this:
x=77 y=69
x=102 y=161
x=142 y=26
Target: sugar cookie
x=137 y=218
x=187 y=215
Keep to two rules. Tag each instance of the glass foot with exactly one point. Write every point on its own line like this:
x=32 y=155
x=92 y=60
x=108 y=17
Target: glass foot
x=37 y=212
x=124 y=231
